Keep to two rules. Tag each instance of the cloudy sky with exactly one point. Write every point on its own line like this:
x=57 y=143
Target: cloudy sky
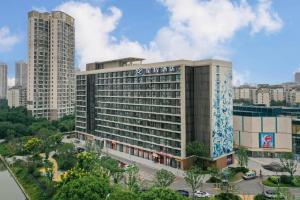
x=260 y=37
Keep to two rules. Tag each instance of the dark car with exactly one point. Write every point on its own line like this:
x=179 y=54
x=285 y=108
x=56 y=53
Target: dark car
x=80 y=149
x=183 y=193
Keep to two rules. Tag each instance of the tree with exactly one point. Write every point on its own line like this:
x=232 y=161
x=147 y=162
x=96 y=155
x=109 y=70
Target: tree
x=86 y=161
x=86 y=187
x=65 y=156
x=157 y=193
x=227 y=196
x=164 y=178
x=66 y=149
x=52 y=142
x=115 y=171
x=119 y=194
x=132 y=179
x=194 y=178
x=289 y=163
x=33 y=146
x=242 y=156
x=199 y=150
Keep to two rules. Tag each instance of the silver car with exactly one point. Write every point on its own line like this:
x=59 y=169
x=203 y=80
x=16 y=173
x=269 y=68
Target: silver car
x=201 y=194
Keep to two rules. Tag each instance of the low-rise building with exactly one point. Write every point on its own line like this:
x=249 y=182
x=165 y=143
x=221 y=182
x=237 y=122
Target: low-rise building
x=263 y=95
x=267 y=131
x=245 y=93
x=277 y=93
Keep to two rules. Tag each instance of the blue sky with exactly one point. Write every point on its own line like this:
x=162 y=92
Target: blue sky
x=261 y=37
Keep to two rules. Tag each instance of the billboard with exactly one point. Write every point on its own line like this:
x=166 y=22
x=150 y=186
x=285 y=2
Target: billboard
x=266 y=140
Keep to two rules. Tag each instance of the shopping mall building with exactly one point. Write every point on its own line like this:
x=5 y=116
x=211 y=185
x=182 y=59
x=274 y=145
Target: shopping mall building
x=153 y=111
x=267 y=131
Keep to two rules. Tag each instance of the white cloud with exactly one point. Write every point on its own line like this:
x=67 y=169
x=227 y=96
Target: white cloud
x=40 y=9
x=240 y=78
x=196 y=29
x=7 y=39
x=10 y=81
x=266 y=19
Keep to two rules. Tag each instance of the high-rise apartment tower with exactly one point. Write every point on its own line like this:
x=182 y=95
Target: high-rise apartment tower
x=3 y=80
x=21 y=74
x=50 y=87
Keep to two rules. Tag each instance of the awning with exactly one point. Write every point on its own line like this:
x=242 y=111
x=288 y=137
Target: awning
x=155 y=155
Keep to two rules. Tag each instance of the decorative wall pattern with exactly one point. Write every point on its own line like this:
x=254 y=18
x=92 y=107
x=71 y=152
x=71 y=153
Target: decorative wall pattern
x=222 y=135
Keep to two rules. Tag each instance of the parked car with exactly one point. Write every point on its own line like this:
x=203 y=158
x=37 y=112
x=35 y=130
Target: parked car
x=272 y=194
x=201 y=194
x=76 y=141
x=183 y=193
x=80 y=149
x=250 y=175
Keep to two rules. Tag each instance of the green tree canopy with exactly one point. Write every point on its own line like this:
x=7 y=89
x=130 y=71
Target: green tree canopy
x=242 y=156
x=164 y=178
x=119 y=194
x=197 y=149
x=84 y=188
x=86 y=161
x=115 y=171
x=289 y=163
x=157 y=193
x=194 y=178
x=33 y=145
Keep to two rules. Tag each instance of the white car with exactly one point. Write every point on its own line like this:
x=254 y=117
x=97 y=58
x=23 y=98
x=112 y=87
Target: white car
x=201 y=194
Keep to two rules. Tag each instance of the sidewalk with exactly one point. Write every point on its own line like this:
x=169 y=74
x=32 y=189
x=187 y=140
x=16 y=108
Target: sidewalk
x=142 y=161
x=56 y=174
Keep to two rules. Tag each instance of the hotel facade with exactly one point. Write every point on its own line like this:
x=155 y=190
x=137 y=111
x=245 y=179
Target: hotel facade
x=153 y=111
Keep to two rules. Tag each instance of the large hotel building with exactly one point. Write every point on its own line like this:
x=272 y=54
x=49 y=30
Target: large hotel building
x=51 y=78
x=153 y=111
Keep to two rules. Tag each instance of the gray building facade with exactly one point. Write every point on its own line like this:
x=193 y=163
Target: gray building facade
x=3 y=80
x=297 y=77
x=154 y=111
x=21 y=74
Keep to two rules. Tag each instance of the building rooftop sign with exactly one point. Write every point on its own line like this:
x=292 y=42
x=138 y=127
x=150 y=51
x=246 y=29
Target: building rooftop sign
x=155 y=70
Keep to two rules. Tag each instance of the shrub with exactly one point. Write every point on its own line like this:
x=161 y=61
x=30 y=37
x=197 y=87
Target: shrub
x=260 y=197
x=286 y=179
x=296 y=181
x=213 y=179
x=239 y=169
x=274 y=179
x=36 y=173
x=227 y=196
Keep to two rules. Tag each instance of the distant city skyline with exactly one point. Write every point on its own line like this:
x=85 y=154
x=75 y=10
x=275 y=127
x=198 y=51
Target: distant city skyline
x=261 y=39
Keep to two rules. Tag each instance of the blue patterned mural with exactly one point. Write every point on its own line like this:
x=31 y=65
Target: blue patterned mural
x=222 y=136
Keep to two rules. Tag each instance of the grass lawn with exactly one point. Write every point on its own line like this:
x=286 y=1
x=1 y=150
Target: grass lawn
x=4 y=150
